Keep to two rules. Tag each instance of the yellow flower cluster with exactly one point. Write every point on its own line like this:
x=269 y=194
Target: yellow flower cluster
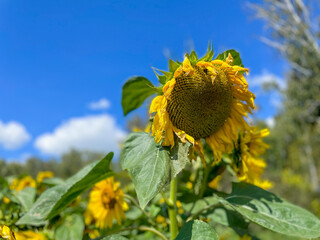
x=6 y=233
x=20 y=183
x=106 y=203
x=248 y=165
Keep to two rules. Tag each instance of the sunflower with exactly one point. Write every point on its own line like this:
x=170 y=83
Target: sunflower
x=206 y=99
x=6 y=233
x=43 y=175
x=247 y=162
x=106 y=203
x=30 y=235
x=19 y=184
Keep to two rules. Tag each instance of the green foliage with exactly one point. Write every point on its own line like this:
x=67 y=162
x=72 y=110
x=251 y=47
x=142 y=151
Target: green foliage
x=134 y=92
x=236 y=57
x=195 y=230
x=173 y=66
x=71 y=229
x=150 y=165
x=272 y=212
x=114 y=237
x=209 y=208
x=55 y=199
x=209 y=55
x=26 y=197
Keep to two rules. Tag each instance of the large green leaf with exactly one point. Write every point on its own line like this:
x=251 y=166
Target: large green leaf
x=150 y=165
x=195 y=230
x=26 y=197
x=71 y=229
x=209 y=208
x=272 y=212
x=134 y=92
x=235 y=55
x=55 y=199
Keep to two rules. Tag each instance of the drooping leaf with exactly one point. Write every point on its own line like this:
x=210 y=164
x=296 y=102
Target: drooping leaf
x=195 y=230
x=134 y=92
x=209 y=208
x=71 y=229
x=269 y=211
x=26 y=197
x=55 y=199
x=235 y=55
x=150 y=165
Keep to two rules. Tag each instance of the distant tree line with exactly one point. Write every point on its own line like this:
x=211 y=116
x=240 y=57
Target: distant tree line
x=69 y=164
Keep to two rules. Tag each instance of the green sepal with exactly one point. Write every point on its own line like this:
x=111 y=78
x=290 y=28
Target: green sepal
x=235 y=55
x=173 y=66
x=209 y=55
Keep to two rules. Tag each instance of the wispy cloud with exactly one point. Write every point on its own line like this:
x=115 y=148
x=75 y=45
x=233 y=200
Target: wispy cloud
x=98 y=133
x=266 y=77
x=101 y=104
x=13 y=135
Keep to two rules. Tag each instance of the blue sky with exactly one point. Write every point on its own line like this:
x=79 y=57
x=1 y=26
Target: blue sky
x=57 y=57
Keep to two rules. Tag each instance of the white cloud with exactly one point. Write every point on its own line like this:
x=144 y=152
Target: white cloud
x=101 y=104
x=270 y=122
x=264 y=78
x=13 y=135
x=166 y=52
x=93 y=133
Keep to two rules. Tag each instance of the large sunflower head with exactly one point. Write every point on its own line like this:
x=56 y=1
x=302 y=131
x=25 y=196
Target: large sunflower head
x=106 y=203
x=203 y=99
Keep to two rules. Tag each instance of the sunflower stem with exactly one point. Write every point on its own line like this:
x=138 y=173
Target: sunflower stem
x=204 y=182
x=172 y=209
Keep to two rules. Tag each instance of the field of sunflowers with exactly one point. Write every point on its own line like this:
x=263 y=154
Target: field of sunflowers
x=194 y=172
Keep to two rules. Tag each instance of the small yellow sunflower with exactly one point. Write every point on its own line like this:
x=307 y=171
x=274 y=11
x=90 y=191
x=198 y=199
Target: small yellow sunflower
x=248 y=165
x=42 y=175
x=19 y=184
x=6 y=233
x=206 y=99
x=106 y=203
x=30 y=235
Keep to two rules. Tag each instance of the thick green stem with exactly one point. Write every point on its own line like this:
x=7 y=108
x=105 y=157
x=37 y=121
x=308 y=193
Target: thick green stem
x=172 y=209
x=204 y=182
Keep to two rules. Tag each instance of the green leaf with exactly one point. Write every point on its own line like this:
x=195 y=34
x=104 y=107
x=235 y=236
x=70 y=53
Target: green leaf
x=134 y=92
x=26 y=197
x=150 y=165
x=209 y=208
x=71 y=229
x=54 y=200
x=195 y=230
x=235 y=55
x=272 y=212
x=173 y=66
x=114 y=237
x=53 y=181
